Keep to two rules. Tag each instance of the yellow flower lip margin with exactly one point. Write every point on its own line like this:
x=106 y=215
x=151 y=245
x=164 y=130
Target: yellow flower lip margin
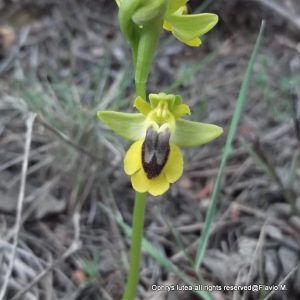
x=171 y=172
x=164 y=112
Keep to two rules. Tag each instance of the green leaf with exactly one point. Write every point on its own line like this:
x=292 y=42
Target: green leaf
x=192 y=134
x=128 y=126
x=189 y=27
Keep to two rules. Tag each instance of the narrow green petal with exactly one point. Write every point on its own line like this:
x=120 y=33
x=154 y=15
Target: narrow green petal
x=181 y=110
x=129 y=126
x=140 y=182
x=142 y=105
x=192 y=134
x=189 y=27
x=158 y=185
x=133 y=158
x=174 y=166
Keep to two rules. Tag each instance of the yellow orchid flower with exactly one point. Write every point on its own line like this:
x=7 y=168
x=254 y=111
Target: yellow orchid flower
x=186 y=27
x=154 y=160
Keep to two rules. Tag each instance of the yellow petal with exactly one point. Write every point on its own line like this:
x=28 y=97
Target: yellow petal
x=194 y=43
x=158 y=185
x=181 y=110
x=140 y=182
x=133 y=158
x=167 y=26
x=142 y=105
x=174 y=166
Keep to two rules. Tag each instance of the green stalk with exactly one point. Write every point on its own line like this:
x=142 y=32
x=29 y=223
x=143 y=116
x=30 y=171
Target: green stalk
x=136 y=244
x=146 y=50
x=140 y=89
x=143 y=53
x=137 y=226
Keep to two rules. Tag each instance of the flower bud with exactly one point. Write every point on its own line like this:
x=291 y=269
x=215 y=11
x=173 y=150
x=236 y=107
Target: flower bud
x=150 y=11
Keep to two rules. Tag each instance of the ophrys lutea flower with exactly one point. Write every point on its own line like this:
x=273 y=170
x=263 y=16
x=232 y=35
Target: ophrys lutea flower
x=154 y=160
x=186 y=27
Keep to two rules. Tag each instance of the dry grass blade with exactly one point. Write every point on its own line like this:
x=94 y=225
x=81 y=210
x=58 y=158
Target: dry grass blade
x=67 y=140
x=65 y=64
x=283 y=281
x=282 y=11
x=29 y=123
x=71 y=250
x=74 y=247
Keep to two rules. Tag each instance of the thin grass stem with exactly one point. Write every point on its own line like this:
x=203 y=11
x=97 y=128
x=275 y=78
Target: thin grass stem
x=226 y=152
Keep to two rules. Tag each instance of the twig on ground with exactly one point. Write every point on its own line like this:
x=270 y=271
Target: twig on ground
x=29 y=123
x=74 y=247
x=49 y=281
x=259 y=249
x=282 y=11
x=261 y=156
x=67 y=140
x=283 y=281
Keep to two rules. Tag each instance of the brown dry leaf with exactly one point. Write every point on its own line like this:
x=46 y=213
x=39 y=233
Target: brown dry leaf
x=7 y=38
x=205 y=192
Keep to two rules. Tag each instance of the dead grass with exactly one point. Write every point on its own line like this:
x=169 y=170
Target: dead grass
x=66 y=63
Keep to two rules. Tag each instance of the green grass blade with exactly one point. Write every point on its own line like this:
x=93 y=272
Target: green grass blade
x=266 y=169
x=159 y=257
x=271 y=172
x=177 y=239
x=191 y=71
x=227 y=150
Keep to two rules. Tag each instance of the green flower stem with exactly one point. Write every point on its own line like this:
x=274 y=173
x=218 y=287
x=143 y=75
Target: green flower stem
x=136 y=244
x=137 y=228
x=140 y=89
x=142 y=59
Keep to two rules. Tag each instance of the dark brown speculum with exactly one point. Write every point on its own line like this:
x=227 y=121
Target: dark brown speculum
x=155 y=152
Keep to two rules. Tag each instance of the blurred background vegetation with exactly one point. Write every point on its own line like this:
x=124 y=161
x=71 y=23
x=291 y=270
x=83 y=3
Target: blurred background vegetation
x=66 y=60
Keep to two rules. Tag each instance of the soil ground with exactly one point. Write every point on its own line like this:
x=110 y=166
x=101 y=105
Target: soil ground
x=64 y=61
